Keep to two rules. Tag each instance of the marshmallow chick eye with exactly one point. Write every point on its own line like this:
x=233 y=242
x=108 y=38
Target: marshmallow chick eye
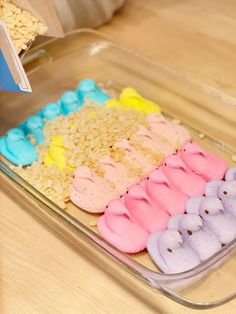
x=169 y=250
x=189 y=232
x=206 y=211
x=225 y=192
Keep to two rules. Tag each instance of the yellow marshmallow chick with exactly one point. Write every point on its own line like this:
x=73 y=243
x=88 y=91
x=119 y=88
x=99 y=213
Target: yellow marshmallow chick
x=56 y=153
x=130 y=98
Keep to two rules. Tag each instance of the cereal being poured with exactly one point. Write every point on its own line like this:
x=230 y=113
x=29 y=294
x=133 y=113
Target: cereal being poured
x=23 y=27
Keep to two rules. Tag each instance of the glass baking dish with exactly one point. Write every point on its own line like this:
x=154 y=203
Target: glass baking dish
x=59 y=65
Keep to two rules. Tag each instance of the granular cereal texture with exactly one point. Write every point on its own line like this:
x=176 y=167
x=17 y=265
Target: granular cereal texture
x=23 y=27
x=88 y=135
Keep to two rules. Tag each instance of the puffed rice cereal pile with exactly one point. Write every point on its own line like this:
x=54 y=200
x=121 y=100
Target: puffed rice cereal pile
x=88 y=135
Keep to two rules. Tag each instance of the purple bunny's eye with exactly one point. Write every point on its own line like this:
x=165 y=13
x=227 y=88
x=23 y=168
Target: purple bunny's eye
x=206 y=211
x=225 y=192
x=169 y=250
x=189 y=232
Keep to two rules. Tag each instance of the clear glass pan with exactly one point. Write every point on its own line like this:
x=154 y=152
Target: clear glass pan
x=59 y=65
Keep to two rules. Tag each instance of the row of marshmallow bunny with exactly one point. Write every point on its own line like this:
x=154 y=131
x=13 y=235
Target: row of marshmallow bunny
x=209 y=224
x=162 y=194
x=92 y=193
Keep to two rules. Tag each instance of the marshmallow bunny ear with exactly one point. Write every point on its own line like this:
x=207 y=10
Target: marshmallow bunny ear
x=191 y=219
x=193 y=204
x=123 y=144
x=117 y=207
x=170 y=237
x=107 y=161
x=174 y=161
x=212 y=187
x=174 y=221
x=192 y=148
x=143 y=132
x=158 y=176
x=230 y=174
x=137 y=191
x=156 y=118
x=84 y=173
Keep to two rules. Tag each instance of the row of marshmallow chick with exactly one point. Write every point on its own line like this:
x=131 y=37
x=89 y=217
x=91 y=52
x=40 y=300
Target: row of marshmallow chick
x=208 y=225
x=147 y=206
x=92 y=193
x=18 y=149
x=16 y=146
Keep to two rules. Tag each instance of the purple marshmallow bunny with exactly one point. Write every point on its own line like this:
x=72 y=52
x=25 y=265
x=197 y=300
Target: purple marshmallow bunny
x=211 y=210
x=227 y=194
x=225 y=191
x=171 y=253
x=196 y=233
x=199 y=236
x=222 y=223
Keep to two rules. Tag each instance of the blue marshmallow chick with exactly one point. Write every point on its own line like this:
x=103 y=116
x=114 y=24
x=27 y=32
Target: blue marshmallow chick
x=34 y=126
x=51 y=111
x=88 y=89
x=70 y=102
x=17 y=148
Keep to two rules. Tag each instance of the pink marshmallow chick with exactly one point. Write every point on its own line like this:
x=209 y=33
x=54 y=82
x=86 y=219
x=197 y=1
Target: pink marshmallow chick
x=116 y=173
x=117 y=227
x=91 y=192
x=175 y=133
x=164 y=194
x=153 y=142
x=205 y=164
x=133 y=155
x=182 y=177
x=143 y=210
